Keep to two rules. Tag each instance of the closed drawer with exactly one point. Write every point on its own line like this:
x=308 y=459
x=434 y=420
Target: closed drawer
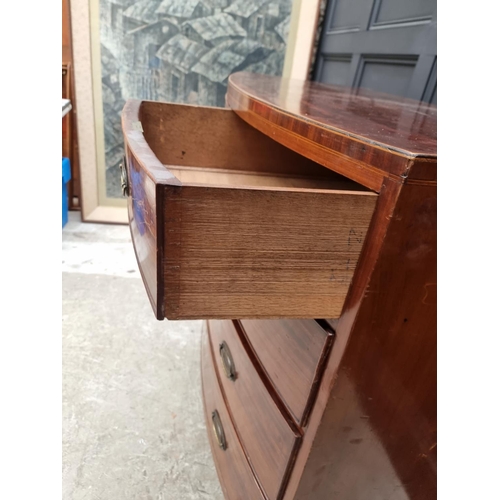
x=235 y=475
x=227 y=223
x=293 y=354
x=268 y=440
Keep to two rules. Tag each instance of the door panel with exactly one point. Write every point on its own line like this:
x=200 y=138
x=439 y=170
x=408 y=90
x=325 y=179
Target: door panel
x=383 y=45
x=346 y=16
x=391 y=11
x=386 y=74
x=336 y=70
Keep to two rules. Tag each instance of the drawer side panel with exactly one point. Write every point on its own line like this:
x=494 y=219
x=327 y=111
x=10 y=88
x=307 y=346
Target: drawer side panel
x=247 y=253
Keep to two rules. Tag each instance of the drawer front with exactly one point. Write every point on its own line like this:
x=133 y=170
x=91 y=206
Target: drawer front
x=141 y=205
x=268 y=440
x=235 y=475
x=293 y=354
x=227 y=223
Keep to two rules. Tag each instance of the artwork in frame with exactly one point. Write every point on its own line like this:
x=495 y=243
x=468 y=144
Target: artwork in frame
x=181 y=51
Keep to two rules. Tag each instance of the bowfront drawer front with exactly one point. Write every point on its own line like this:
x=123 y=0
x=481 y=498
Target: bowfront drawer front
x=293 y=354
x=227 y=223
x=235 y=475
x=268 y=440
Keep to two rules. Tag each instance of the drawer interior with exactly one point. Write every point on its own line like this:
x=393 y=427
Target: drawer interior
x=214 y=147
x=196 y=176
x=228 y=223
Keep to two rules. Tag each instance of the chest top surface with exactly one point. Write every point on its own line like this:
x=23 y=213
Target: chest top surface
x=384 y=133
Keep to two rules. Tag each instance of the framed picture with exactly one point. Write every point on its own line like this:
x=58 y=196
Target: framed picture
x=170 y=50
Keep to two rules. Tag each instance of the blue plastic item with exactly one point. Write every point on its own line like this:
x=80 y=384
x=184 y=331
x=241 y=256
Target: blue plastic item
x=66 y=176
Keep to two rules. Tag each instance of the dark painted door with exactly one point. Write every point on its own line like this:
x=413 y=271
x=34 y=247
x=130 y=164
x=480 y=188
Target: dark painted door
x=384 y=45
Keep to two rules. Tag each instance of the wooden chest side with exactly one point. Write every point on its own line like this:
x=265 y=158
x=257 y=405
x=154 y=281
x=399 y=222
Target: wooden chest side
x=374 y=433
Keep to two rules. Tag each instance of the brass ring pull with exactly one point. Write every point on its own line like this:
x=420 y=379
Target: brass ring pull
x=218 y=430
x=227 y=361
x=124 y=177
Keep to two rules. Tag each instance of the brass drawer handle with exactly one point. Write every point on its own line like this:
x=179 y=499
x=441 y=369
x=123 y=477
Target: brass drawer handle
x=124 y=177
x=227 y=361
x=218 y=430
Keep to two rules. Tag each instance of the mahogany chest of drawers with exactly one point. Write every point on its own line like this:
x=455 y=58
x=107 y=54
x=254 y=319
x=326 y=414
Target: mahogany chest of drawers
x=297 y=204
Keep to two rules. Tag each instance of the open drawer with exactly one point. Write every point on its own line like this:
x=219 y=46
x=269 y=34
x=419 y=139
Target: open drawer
x=227 y=223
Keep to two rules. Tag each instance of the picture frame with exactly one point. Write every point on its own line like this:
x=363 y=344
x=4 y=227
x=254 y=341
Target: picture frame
x=96 y=204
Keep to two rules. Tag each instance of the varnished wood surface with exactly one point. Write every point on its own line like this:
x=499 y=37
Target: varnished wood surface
x=303 y=471
x=293 y=354
x=235 y=475
x=70 y=145
x=374 y=435
x=269 y=442
x=363 y=135
x=142 y=206
x=67 y=56
x=209 y=250
x=371 y=432
x=67 y=129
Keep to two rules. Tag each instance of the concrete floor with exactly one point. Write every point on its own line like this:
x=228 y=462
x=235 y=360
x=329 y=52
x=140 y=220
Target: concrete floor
x=133 y=423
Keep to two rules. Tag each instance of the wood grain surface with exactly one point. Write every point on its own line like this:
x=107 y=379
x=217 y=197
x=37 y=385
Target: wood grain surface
x=231 y=242
x=220 y=177
x=361 y=134
x=269 y=442
x=277 y=248
x=372 y=433
x=141 y=205
x=241 y=253
x=293 y=354
x=235 y=475
x=70 y=130
x=145 y=177
x=197 y=136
